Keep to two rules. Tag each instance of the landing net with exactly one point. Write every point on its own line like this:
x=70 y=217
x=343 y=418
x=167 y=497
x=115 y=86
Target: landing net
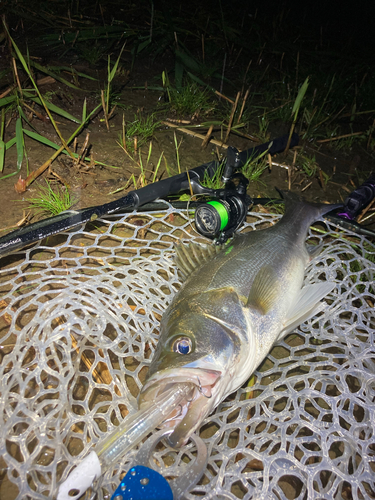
x=79 y=318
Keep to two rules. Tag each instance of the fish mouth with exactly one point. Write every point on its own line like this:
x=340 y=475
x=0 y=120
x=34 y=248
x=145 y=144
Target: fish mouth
x=188 y=415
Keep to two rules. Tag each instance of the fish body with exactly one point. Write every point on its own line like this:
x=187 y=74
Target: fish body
x=235 y=303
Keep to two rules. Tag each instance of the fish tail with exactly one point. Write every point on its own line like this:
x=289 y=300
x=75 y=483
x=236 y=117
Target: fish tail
x=297 y=208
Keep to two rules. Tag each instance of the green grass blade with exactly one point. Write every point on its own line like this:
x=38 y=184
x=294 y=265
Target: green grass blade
x=2 y=154
x=300 y=96
x=10 y=143
x=7 y=100
x=50 y=201
x=72 y=70
x=2 y=126
x=157 y=167
x=84 y=111
x=53 y=145
x=20 y=57
x=19 y=143
x=54 y=75
x=41 y=139
x=27 y=69
x=142 y=45
x=28 y=94
x=22 y=114
x=112 y=74
x=57 y=110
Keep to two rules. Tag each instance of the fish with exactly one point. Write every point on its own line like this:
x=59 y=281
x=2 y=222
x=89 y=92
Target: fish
x=237 y=300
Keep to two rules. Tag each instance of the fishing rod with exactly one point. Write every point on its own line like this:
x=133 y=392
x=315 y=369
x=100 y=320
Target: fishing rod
x=217 y=219
x=134 y=199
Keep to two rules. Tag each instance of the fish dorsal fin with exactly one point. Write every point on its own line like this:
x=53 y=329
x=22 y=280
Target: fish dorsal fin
x=307 y=306
x=264 y=290
x=190 y=257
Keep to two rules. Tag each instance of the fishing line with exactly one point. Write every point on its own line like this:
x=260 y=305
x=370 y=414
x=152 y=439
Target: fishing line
x=188 y=217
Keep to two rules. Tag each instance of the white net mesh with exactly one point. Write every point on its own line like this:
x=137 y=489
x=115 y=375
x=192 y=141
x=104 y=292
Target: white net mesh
x=79 y=325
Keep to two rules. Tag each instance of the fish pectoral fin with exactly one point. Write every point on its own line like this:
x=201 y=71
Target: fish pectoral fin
x=192 y=256
x=264 y=291
x=308 y=304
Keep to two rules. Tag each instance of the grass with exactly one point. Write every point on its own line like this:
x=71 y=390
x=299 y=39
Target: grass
x=49 y=201
x=135 y=134
x=107 y=96
x=253 y=169
x=263 y=125
x=16 y=100
x=146 y=174
x=309 y=165
x=214 y=182
x=190 y=100
x=311 y=85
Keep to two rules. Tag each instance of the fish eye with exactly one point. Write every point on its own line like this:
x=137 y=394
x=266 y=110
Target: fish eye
x=182 y=345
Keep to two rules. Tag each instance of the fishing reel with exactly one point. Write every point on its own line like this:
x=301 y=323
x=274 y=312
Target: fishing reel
x=220 y=217
x=359 y=199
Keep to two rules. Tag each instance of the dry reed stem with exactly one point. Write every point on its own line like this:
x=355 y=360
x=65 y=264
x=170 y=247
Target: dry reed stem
x=341 y=186
x=175 y=120
x=321 y=178
x=321 y=141
x=195 y=134
x=232 y=116
x=243 y=105
x=282 y=165
x=206 y=140
x=224 y=97
x=41 y=117
x=82 y=153
x=308 y=185
x=36 y=173
x=58 y=177
x=8 y=91
x=16 y=75
x=364 y=212
x=45 y=81
x=269 y=158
